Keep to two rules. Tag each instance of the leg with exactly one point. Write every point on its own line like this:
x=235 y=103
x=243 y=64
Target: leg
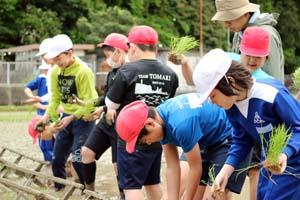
x=253 y=174
x=61 y=151
x=81 y=131
x=97 y=143
x=134 y=194
x=154 y=192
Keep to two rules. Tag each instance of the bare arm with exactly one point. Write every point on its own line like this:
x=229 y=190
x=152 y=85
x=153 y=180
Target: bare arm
x=195 y=165
x=186 y=69
x=172 y=171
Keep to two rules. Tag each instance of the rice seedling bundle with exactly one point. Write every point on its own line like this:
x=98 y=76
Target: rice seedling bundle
x=179 y=46
x=279 y=138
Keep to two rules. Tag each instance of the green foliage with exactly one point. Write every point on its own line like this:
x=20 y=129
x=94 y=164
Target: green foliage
x=279 y=138
x=89 y=21
x=101 y=23
x=36 y=25
x=297 y=79
x=179 y=46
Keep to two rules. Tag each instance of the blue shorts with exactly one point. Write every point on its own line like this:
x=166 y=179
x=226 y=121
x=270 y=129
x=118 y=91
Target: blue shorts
x=139 y=168
x=216 y=156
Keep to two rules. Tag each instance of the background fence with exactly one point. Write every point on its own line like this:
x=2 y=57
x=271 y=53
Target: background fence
x=15 y=75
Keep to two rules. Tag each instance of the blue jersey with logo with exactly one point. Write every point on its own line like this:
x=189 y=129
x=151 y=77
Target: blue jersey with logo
x=188 y=123
x=268 y=104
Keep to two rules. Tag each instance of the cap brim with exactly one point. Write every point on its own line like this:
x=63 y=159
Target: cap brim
x=51 y=55
x=101 y=44
x=254 y=52
x=40 y=53
x=204 y=96
x=130 y=146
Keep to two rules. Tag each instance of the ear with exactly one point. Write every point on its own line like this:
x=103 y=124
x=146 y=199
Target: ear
x=149 y=122
x=231 y=81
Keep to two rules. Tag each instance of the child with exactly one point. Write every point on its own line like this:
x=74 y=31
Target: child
x=253 y=107
x=103 y=135
x=39 y=84
x=70 y=76
x=144 y=77
x=182 y=122
x=254 y=51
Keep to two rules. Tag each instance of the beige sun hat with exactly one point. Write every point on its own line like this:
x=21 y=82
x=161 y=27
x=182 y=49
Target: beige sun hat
x=228 y=10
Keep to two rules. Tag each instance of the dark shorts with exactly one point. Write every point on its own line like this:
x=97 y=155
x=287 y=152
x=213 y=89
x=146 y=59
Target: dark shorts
x=216 y=157
x=139 y=168
x=256 y=156
x=101 y=138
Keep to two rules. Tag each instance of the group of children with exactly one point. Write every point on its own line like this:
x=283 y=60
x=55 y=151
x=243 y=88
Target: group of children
x=216 y=128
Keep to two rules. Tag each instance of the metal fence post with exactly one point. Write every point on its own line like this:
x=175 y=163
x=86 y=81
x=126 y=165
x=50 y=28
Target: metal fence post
x=7 y=73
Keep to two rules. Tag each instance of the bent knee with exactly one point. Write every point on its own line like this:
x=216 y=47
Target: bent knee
x=88 y=155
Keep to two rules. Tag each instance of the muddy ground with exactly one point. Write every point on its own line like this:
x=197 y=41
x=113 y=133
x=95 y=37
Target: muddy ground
x=14 y=134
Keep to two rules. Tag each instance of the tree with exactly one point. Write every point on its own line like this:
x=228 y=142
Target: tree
x=35 y=25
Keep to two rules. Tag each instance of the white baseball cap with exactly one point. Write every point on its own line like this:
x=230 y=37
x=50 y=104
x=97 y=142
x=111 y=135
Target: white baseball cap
x=43 y=49
x=209 y=71
x=44 y=65
x=59 y=44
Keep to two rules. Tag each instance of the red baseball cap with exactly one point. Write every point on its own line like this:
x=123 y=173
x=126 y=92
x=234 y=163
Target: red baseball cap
x=143 y=35
x=33 y=133
x=255 y=42
x=130 y=122
x=116 y=40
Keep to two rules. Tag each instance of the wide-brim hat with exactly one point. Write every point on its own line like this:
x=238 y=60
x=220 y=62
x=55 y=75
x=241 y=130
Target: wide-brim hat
x=228 y=10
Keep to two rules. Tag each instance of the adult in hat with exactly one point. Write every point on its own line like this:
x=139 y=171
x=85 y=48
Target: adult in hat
x=202 y=131
x=104 y=136
x=254 y=107
x=70 y=76
x=239 y=14
x=143 y=78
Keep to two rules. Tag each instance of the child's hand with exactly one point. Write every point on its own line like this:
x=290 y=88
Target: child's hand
x=279 y=169
x=110 y=116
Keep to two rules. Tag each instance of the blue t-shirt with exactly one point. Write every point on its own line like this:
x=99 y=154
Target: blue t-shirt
x=268 y=104
x=188 y=123
x=39 y=84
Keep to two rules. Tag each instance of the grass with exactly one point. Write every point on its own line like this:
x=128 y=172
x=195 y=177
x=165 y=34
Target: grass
x=13 y=113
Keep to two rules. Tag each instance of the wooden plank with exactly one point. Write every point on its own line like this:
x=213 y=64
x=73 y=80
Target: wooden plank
x=88 y=194
x=37 y=194
x=45 y=176
x=24 y=155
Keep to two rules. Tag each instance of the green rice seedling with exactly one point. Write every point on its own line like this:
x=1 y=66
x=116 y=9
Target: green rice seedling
x=212 y=176
x=297 y=79
x=179 y=46
x=279 y=138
